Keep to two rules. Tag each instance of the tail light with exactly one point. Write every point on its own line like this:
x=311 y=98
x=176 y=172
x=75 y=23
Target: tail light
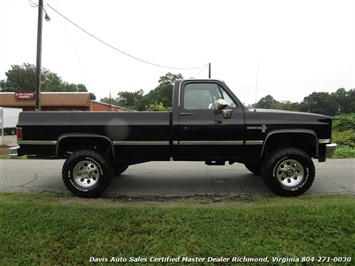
x=19 y=133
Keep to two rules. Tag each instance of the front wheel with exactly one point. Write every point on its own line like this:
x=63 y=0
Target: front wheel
x=86 y=173
x=288 y=172
x=254 y=167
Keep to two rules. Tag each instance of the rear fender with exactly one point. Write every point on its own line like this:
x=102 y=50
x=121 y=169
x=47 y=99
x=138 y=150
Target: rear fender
x=70 y=142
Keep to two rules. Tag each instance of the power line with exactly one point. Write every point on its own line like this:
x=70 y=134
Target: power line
x=201 y=71
x=33 y=4
x=78 y=58
x=116 y=49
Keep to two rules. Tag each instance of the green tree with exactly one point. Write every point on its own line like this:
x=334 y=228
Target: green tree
x=52 y=82
x=81 y=88
x=351 y=102
x=71 y=87
x=158 y=107
x=23 y=79
x=266 y=102
x=2 y=85
x=163 y=93
x=286 y=105
x=320 y=102
x=132 y=100
x=345 y=100
x=158 y=99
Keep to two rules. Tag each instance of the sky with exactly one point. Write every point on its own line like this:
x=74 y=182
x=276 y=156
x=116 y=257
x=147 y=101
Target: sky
x=283 y=48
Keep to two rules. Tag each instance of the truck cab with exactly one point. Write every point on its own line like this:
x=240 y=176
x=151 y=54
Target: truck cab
x=201 y=131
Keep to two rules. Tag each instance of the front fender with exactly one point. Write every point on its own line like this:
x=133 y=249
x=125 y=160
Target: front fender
x=305 y=139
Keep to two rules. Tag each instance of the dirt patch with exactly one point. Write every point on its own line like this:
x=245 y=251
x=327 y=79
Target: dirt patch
x=4 y=151
x=158 y=201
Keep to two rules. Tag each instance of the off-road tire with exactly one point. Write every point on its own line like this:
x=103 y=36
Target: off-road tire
x=288 y=172
x=119 y=168
x=86 y=173
x=254 y=167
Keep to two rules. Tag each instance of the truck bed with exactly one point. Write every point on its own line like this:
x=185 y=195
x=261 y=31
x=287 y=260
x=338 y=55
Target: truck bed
x=128 y=131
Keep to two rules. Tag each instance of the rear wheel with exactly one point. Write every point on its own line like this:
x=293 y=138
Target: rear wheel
x=86 y=173
x=119 y=168
x=288 y=172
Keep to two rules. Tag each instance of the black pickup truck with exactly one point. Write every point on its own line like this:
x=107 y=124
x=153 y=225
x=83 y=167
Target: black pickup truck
x=208 y=123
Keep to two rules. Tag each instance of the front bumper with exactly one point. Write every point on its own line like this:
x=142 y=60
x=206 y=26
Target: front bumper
x=330 y=149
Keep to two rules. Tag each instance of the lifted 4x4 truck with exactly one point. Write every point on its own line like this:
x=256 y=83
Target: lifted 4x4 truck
x=208 y=123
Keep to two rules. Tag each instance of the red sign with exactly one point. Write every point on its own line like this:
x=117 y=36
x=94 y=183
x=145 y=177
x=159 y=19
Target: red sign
x=25 y=95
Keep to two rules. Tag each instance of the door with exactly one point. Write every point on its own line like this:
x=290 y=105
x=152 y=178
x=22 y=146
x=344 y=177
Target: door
x=201 y=132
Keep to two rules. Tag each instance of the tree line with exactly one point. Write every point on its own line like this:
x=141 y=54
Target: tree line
x=22 y=79
x=158 y=99
x=339 y=102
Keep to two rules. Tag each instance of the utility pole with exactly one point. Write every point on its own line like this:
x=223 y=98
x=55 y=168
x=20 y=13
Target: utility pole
x=110 y=108
x=39 y=55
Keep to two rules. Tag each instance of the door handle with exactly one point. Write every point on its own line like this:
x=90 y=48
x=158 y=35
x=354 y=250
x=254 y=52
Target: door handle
x=186 y=114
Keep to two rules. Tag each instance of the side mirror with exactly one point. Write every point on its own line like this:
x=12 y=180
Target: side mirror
x=227 y=113
x=222 y=107
x=221 y=104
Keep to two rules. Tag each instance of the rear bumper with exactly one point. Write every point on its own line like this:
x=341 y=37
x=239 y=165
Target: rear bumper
x=330 y=149
x=13 y=152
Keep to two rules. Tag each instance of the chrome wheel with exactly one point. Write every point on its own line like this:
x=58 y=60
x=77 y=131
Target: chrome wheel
x=290 y=173
x=86 y=174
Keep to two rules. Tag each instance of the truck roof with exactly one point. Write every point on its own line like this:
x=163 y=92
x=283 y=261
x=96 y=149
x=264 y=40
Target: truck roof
x=192 y=79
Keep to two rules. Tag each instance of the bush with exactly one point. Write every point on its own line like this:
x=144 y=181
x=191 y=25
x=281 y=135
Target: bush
x=344 y=135
x=344 y=152
x=344 y=138
x=344 y=122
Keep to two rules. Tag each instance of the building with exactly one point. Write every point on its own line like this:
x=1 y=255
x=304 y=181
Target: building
x=56 y=101
x=99 y=106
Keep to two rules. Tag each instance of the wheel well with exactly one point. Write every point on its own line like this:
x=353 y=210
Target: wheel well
x=68 y=145
x=303 y=141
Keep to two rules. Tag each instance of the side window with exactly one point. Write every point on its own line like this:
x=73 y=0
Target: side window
x=204 y=96
x=228 y=99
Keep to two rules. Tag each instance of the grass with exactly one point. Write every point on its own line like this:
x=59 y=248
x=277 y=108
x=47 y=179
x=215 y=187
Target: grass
x=48 y=229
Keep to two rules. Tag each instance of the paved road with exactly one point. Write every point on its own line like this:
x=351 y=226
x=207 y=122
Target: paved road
x=171 y=179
